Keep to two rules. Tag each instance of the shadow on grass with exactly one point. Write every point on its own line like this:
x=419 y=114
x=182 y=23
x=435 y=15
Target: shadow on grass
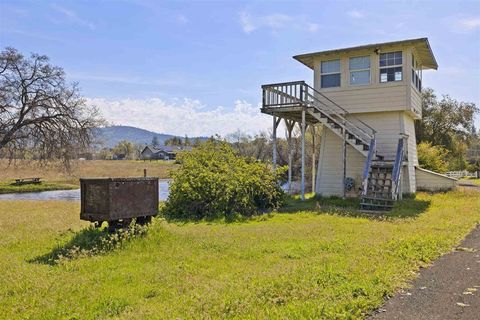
x=409 y=207
x=89 y=242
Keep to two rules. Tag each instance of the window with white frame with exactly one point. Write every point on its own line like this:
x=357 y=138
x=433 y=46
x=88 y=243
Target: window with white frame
x=391 y=66
x=359 y=70
x=330 y=74
x=416 y=74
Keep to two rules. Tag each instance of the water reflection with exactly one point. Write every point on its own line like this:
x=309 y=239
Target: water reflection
x=70 y=195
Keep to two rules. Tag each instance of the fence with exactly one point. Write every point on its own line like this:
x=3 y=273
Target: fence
x=462 y=174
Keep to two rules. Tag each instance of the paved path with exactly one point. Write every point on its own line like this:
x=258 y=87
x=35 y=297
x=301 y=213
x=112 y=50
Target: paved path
x=449 y=289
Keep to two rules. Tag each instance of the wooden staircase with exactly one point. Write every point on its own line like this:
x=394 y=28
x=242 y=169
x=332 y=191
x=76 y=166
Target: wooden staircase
x=380 y=183
x=320 y=109
x=378 y=196
x=383 y=184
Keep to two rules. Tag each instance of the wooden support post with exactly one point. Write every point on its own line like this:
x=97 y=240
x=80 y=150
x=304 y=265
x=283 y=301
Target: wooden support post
x=144 y=173
x=344 y=162
x=274 y=137
x=313 y=159
x=290 y=124
x=303 y=156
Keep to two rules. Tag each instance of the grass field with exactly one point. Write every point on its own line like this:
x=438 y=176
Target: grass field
x=475 y=181
x=9 y=187
x=55 y=175
x=306 y=264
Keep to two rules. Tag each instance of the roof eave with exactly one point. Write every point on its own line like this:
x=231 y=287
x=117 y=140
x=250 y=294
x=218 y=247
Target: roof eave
x=307 y=58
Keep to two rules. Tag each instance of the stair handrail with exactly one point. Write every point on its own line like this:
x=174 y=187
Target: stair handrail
x=341 y=108
x=326 y=110
x=397 y=166
x=368 y=164
x=299 y=92
x=343 y=120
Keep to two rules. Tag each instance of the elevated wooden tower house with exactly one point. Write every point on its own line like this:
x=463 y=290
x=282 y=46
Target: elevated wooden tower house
x=367 y=99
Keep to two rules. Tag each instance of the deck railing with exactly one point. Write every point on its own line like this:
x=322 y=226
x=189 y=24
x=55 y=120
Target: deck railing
x=298 y=93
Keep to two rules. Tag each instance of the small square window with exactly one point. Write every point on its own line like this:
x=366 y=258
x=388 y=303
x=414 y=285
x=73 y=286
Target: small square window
x=330 y=73
x=331 y=80
x=360 y=77
x=390 y=66
x=330 y=66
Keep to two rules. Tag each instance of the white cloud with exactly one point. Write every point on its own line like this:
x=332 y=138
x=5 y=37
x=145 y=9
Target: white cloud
x=184 y=116
x=463 y=24
x=313 y=27
x=356 y=14
x=246 y=22
x=274 y=22
x=73 y=17
x=181 y=19
x=468 y=24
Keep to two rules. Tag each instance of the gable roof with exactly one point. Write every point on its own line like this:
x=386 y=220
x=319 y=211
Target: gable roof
x=152 y=149
x=421 y=45
x=167 y=149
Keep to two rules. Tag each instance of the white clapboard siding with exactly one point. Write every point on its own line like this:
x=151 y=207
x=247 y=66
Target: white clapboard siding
x=432 y=181
x=388 y=125
x=371 y=98
x=416 y=100
x=330 y=169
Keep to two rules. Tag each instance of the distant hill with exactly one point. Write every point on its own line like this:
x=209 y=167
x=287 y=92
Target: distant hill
x=110 y=136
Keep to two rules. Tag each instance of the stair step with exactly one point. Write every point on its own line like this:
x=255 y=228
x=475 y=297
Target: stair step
x=378 y=179
x=377 y=199
x=378 y=194
x=364 y=206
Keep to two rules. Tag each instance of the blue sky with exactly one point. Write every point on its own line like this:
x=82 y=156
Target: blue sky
x=196 y=67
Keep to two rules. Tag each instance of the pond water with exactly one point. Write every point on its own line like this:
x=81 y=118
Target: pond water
x=71 y=195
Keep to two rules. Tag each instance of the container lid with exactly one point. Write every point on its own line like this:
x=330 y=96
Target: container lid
x=118 y=179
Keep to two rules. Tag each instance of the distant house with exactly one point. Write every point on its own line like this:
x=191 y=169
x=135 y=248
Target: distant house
x=161 y=153
x=119 y=156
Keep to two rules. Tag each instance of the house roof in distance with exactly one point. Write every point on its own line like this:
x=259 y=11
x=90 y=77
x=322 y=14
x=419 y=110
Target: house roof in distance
x=169 y=149
x=421 y=45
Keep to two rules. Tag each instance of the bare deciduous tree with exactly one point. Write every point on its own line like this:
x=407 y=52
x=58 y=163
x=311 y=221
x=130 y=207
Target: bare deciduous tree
x=39 y=111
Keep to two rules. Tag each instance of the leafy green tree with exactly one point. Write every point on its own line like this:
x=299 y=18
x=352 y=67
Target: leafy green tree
x=214 y=182
x=125 y=147
x=174 y=141
x=197 y=142
x=104 y=154
x=448 y=123
x=433 y=158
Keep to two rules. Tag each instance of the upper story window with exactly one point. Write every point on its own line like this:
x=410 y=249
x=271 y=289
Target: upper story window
x=330 y=74
x=359 y=70
x=391 y=66
x=416 y=74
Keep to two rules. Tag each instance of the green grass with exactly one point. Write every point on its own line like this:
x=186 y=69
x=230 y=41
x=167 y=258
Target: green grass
x=475 y=181
x=8 y=187
x=320 y=263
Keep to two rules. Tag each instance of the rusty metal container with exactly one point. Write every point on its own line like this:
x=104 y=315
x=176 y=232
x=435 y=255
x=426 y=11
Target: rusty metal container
x=114 y=199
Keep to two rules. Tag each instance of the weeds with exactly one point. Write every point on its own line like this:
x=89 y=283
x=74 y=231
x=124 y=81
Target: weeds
x=91 y=242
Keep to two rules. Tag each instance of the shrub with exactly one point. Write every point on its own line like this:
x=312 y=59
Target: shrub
x=432 y=157
x=214 y=182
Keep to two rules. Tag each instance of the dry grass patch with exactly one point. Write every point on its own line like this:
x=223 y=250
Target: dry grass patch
x=88 y=168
